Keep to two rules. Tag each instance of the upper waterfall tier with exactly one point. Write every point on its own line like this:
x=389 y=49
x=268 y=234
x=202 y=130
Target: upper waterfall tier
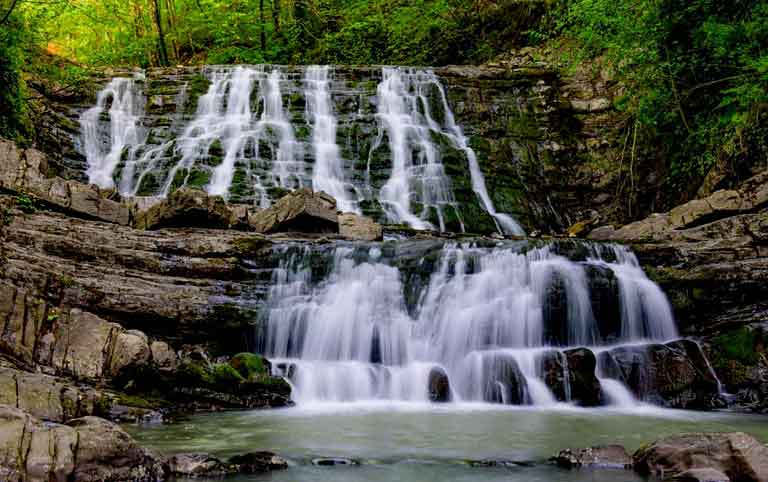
x=510 y=322
x=385 y=143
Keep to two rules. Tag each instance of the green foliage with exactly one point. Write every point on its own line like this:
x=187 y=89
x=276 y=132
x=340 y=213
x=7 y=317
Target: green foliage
x=696 y=74
x=14 y=120
x=738 y=345
x=26 y=203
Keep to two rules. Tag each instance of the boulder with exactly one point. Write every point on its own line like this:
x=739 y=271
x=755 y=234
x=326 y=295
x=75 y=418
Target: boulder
x=439 y=386
x=186 y=207
x=106 y=452
x=299 y=211
x=585 y=387
x=737 y=455
x=131 y=351
x=689 y=213
x=359 y=228
x=83 y=345
x=606 y=456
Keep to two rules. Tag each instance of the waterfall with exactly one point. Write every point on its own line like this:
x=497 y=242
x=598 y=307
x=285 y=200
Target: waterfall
x=645 y=310
x=367 y=329
x=328 y=175
x=417 y=175
x=103 y=151
x=252 y=132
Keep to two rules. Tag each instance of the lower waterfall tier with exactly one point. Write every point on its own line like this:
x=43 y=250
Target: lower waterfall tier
x=509 y=323
x=673 y=374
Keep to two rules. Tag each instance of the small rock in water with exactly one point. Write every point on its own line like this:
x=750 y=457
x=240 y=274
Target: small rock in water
x=510 y=464
x=328 y=462
x=603 y=457
x=254 y=462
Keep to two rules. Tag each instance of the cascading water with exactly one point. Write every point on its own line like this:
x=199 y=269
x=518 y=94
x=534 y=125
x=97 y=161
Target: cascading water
x=417 y=174
x=103 y=150
x=373 y=328
x=254 y=131
x=328 y=175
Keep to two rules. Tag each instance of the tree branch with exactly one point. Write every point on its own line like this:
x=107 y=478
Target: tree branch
x=9 y=12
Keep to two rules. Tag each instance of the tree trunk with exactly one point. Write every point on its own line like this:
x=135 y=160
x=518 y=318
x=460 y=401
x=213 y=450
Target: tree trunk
x=263 y=33
x=163 y=51
x=276 y=14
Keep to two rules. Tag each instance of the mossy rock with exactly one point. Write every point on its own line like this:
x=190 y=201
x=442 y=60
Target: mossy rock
x=250 y=366
x=251 y=245
x=224 y=375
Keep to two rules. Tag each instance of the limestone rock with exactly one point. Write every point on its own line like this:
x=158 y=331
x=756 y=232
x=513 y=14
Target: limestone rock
x=737 y=455
x=186 y=207
x=690 y=212
x=23 y=170
x=83 y=345
x=608 y=456
x=31 y=450
x=359 y=228
x=299 y=211
x=106 y=452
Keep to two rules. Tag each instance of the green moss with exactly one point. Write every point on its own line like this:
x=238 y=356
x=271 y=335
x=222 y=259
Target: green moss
x=251 y=367
x=225 y=375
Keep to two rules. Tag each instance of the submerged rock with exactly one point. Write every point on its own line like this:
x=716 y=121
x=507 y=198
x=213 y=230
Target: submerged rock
x=330 y=462
x=737 y=455
x=607 y=456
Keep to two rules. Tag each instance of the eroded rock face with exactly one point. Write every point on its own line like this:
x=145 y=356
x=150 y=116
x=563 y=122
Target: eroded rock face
x=24 y=170
x=737 y=455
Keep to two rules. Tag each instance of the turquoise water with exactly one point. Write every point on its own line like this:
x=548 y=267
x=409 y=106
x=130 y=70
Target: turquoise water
x=411 y=442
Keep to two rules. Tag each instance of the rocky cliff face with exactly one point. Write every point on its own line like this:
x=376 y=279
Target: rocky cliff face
x=711 y=257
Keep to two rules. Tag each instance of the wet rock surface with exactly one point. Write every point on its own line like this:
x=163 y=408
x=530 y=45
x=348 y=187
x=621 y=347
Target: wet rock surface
x=738 y=456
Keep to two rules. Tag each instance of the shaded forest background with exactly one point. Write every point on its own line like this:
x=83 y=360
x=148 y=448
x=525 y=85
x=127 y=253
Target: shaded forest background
x=693 y=73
